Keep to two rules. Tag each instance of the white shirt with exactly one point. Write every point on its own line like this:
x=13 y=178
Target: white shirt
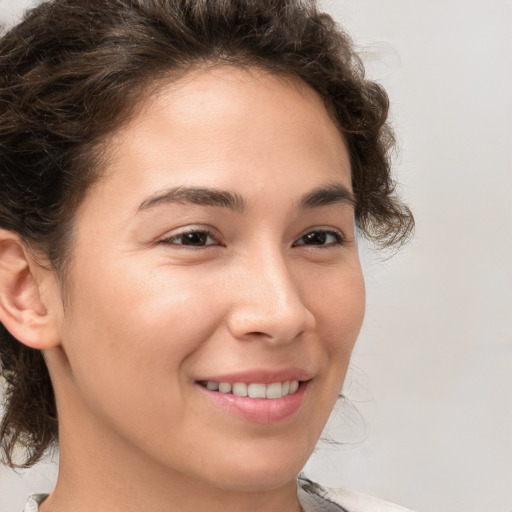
x=312 y=497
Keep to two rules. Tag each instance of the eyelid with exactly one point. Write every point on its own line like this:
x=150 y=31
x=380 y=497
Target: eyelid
x=168 y=238
x=338 y=234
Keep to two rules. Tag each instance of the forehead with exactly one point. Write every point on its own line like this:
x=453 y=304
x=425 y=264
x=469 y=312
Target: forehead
x=214 y=126
x=207 y=104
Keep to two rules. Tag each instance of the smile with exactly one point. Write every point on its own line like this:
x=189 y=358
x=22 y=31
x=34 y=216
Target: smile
x=272 y=390
x=258 y=403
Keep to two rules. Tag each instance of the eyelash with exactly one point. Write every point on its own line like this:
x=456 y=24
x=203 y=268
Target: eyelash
x=338 y=238
x=203 y=231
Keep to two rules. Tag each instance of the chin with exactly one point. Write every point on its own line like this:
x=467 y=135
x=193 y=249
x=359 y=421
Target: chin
x=257 y=480
x=259 y=472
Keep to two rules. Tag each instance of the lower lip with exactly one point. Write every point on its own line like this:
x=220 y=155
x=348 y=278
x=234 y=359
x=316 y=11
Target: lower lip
x=259 y=410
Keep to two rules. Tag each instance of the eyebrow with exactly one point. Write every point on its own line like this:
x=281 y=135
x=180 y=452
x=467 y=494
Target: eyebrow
x=328 y=195
x=322 y=196
x=196 y=195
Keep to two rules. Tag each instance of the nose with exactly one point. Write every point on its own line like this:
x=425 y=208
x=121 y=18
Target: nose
x=267 y=302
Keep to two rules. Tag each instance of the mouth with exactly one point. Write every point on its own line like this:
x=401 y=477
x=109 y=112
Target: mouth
x=271 y=391
x=258 y=397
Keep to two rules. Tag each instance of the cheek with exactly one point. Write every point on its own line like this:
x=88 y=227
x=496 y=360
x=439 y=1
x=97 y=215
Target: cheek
x=338 y=303
x=134 y=331
x=339 y=313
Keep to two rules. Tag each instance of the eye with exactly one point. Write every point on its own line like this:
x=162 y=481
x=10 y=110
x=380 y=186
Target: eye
x=192 y=238
x=321 y=237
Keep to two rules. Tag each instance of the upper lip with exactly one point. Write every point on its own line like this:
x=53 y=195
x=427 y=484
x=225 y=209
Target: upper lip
x=263 y=376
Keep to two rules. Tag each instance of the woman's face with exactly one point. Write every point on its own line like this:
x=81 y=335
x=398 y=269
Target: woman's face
x=217 y=251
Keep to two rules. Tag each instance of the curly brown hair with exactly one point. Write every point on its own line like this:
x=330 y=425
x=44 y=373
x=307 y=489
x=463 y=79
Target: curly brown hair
x=72 y=72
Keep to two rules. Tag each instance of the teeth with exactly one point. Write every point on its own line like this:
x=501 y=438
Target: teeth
x=255 y=389
x=224 y=387
x=275 y=390
x=240 y=389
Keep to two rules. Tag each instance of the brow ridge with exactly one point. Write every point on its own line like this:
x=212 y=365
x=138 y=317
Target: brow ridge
x=327 y=195
x=322 y=196
x=196 y=195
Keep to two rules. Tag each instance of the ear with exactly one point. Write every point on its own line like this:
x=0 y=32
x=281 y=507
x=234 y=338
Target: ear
x=28 y=305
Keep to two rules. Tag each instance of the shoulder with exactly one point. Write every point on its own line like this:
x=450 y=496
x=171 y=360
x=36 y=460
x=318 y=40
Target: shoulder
x=315 y=498
x=34 y=501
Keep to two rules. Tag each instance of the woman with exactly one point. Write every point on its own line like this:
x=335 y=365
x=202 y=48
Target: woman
x=182 y=187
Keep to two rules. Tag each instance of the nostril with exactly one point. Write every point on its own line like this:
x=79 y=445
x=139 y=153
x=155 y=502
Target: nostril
x=270 y=337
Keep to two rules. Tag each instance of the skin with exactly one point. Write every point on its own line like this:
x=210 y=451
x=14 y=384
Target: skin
x=147 y=316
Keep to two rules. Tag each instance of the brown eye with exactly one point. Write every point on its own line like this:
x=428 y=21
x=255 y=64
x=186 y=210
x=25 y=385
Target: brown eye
x=320 y=237
x=196 y=238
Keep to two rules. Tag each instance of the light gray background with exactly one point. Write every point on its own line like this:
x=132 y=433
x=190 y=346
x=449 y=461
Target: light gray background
x=430 y=418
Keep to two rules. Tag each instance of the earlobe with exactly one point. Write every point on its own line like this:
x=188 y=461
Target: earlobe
x=22 y=309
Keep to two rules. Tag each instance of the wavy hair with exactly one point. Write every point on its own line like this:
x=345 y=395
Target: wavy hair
x=74 y=70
